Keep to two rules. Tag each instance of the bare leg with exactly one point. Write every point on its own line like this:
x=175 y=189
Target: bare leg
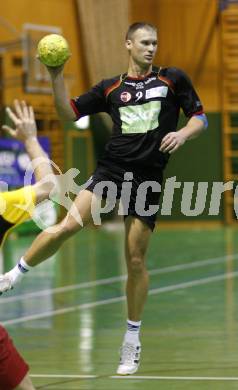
x=47 y=243
x=136 y=243
x=26 y=384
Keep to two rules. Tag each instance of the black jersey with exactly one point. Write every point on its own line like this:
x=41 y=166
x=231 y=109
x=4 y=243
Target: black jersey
x=143 y=111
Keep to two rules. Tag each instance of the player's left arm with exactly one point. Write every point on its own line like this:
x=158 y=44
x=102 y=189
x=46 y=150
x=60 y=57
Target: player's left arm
x=174 y=140
x=189 y=101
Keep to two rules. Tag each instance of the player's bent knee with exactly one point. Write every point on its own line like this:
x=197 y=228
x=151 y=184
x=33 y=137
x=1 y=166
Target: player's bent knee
x=69 y=228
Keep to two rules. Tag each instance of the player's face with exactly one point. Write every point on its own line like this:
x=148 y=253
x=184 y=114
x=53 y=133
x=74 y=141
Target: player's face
x=142 y=46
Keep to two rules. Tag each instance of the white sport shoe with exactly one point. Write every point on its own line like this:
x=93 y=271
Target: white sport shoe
x=5 y=283
x=129 y=359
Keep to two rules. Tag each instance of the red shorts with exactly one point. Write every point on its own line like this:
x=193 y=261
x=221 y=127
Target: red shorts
x=12 y=366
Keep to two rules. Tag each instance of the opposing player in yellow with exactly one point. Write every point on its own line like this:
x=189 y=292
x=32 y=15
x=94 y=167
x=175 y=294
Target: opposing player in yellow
x=16 y=207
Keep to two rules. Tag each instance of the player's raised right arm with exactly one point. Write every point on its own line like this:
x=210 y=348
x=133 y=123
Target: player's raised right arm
x=61 y=98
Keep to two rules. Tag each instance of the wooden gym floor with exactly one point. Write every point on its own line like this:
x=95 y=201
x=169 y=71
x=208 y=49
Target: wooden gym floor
x=68 y=315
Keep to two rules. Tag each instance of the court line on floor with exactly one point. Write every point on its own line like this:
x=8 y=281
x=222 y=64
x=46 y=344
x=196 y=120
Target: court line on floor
x=63 y=376
x=133 y=377
x=174 y=287
x=101 y=282
x=66 y=376
x=177 y=378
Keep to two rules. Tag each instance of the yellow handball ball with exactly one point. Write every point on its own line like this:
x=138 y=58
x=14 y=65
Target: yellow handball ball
x=53 y=50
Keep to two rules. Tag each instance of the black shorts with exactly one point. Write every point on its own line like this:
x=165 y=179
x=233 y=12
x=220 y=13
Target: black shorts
x=136 y=191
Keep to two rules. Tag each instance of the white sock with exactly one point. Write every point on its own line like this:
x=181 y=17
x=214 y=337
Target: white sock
x=133 y=332
x=16 y=274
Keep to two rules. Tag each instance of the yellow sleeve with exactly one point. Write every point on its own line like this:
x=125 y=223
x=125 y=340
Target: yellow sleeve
x=17 y=206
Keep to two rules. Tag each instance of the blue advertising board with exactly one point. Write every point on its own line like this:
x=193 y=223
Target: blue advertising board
x=14 y=160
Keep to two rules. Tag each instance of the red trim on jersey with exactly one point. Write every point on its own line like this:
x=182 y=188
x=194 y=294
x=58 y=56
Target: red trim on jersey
x=197 y=113
x=73 y=105
x=168 y=82
x=112 y=87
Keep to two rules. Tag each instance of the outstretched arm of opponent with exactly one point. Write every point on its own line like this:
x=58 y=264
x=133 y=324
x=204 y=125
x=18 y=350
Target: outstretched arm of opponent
x=25 y=130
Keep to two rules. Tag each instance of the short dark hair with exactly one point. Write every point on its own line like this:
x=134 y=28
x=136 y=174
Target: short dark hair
x=136 y=26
